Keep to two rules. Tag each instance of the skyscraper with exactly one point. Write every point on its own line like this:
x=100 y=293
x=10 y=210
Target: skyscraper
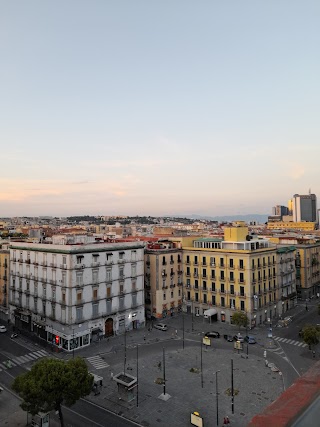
x=304 y=207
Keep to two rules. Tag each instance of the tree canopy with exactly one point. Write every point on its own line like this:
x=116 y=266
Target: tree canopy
x=240 y=319
x=311 y=335
x=51 y=383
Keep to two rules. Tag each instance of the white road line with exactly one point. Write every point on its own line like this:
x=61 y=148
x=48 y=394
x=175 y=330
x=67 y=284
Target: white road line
x=291 y=342
x=43 y=352
x=33 y=357
x=300 y=344
x=39 y=353
x=2 y=366
x=304 y=345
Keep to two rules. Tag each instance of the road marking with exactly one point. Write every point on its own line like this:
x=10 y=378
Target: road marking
x=97 y=362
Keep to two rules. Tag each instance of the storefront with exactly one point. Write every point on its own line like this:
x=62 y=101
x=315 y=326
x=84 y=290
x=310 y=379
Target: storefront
x=68 y=342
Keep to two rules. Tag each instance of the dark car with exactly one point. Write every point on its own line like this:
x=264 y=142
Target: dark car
x=249 y=339
x=229 y=338
x=212 y=334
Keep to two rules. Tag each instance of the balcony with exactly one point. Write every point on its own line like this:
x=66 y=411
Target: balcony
x=171 y=261
x=20 y=259
x=179 y=260
x=179 y=272
x=52 y=282
x=27 y=261
x=109 y=262
x=79 y=266
x=222 y=266
x=121 y=261
x=172 y=273
x=164 y=274
x=172 y=286
x=63 y=266
x=180 y=284
x=164 y=263
x=95 y=264
x=79 y=301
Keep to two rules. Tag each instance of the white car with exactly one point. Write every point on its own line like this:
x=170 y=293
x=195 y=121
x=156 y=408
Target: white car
x=161 y=326
x=3 y=329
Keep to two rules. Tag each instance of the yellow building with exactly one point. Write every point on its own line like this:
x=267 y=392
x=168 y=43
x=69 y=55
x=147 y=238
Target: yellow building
x=308 y=270
x=163 y=280
x=4 y=282
x=237 y=273
x=282 y=225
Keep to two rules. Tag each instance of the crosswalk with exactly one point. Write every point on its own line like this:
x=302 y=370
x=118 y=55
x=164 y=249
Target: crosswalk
x=20 y=360
x=97 y=362
x=289 y=341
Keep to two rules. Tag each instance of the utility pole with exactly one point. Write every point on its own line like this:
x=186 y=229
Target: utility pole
x=182 y=328
x=137 y=376
x=125 y=350
x=217 y=397
x=201 y=361
x=232 y=389
x=164 y=373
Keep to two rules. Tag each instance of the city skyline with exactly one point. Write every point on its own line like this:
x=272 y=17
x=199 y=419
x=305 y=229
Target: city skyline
x=135 y=108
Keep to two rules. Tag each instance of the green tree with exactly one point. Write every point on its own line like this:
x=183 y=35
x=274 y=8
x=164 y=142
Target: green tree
x=311 y=335
x=240 y=319
x=51 y=383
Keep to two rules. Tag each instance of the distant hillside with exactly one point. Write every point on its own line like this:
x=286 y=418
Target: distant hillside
x=261 y=219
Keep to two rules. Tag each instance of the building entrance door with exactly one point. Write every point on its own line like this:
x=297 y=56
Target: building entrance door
x=109 y=327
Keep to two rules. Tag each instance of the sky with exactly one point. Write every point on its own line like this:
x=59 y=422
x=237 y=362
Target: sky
x=145 y=107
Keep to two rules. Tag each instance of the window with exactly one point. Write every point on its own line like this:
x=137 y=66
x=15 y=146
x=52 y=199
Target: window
x=196 y=284
x=121 y=289
x=223 y=304
x=213 y=274
x=133 y=270
x=63 y=297
x=196 y=259
x=134 y=286
x=79 y=278
x=222 y=288
x=64 y=276
x=121 y=255
x=221 y=262
x=95 y=294
x=188 y=295
x=231 y=263
x=171 y=294
x=164 y=296
x=213 y=300
x=95 y=276
x=204 y=285
x=188 y=259
x=242 y=306
x=64 y=260
x=79 y=259
x=204 y=272
x=188 y=271
x=242 y=291
x=121 y=303
x=221 y=275
x=204 y=261
x=121 y=272
x=196 y=296
x=109 y=306
x=53 y=311
x=53 y=294
x=44 y=291
x=79 y=311
x=232 y=289
x=95 y=310
x=212 y=261
x=108 y=291
x=79 y=297
x=231 y=276
x=213 y=287
x=205 y=298
x=241 y=263
x=109 y=275
x=232 y=303
x=134 y=300
x=241 y=278
x=35 y=289
x=133 y=255
x=195 y=272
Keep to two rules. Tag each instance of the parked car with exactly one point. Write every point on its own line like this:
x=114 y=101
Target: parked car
x=249 y=339
x=3 y=329
x=238 y=337
x=161 y=326
x=212 y=334
x=229 y=338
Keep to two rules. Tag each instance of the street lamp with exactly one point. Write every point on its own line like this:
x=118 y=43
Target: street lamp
x=201 y=343
x=217 y=396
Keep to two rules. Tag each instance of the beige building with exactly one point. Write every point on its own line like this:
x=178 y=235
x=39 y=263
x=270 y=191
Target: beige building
x=308 y=270
x=163 y=279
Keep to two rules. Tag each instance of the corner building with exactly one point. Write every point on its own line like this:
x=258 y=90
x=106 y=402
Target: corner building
x=70 y=295
x=237 y=273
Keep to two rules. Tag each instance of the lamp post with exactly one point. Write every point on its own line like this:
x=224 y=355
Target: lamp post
x=201 y=344
x=137 y=376
x=73 y=343
x=192 y=307
x=125 y=349
x=164 y=372
x=232 y=389
x=217 y=397
x=182 y=328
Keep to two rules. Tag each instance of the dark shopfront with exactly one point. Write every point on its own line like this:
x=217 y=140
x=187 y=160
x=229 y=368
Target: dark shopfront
x=22 y=321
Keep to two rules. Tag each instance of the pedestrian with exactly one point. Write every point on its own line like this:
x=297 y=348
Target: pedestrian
x=176 y=332
x=306 y=307
x=144 y=337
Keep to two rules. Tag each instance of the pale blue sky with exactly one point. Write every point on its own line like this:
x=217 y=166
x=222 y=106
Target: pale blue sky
x=158 y=107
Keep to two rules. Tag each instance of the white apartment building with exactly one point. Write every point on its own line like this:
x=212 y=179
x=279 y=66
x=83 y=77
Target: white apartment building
x=70 y=294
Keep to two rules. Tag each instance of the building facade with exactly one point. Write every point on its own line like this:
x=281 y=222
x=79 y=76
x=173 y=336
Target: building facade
x=304 y=208
x=308 y=270
x=237 y=273
x=163 y=280
x=4 y=283
x=70 y=295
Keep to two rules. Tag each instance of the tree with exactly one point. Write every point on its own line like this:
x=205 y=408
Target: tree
x=240 y=319
x=51 y=383
x=311 y=335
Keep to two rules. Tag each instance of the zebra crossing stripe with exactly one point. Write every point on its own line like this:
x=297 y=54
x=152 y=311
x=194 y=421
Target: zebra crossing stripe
x=291 y=341
x=304 y=345
x=33 y=357
x=2 y=366
x=300 y=344
x=280 y=339
x=38 y=353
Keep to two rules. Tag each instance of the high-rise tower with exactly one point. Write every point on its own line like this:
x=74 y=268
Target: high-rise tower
x=304 y=207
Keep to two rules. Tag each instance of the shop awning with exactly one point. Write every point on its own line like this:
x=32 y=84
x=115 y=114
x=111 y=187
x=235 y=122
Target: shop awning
x=209 y=313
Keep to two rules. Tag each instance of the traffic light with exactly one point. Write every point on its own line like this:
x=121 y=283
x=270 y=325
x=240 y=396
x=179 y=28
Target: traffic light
x=57 y=340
